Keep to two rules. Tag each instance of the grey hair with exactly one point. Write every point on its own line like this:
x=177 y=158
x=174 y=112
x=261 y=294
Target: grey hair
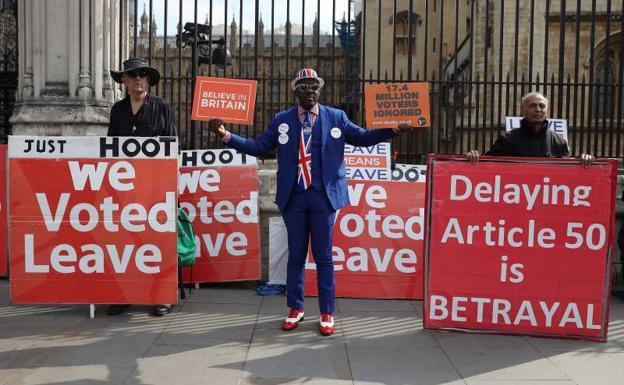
x=525 y=98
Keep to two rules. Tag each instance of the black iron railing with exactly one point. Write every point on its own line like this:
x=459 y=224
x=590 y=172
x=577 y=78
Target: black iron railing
x=479 y=57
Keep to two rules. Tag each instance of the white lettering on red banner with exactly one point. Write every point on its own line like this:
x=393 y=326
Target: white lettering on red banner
x=219 y=192
x=520 y=247
x=93 y=220
x=378 y=242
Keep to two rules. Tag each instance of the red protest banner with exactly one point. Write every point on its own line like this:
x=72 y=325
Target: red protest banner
x=219 y=191
x=232 y=100
x=378 y=242
x=519 y=246
x=93 y=220
x=4 y=230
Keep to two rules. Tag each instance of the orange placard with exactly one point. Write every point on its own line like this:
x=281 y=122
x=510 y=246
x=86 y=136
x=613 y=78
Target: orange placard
x=232 y=100
x=390 y=104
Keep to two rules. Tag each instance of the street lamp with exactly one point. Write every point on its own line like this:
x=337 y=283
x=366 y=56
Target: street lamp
x=198 y=37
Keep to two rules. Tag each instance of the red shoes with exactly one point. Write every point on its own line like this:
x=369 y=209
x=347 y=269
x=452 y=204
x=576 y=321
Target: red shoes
x=327 y=327
x=292 y=321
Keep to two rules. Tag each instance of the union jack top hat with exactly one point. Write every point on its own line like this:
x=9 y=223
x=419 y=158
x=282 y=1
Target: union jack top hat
x=306 y=73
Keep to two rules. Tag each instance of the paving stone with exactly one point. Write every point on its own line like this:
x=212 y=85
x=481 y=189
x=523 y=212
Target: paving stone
x=589 y=368
x=301 y=353
x=390 y=366
x=211 y=324
x=174 y=364
x=381 y=329
x=497 y=357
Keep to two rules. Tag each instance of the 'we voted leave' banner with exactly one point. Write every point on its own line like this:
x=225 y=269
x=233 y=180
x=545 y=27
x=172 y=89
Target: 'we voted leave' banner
x=519 y=246
x=219 y=192
x=378 y=240
x=93 y=220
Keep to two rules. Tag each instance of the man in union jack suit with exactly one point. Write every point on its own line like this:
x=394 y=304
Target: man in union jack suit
x=311 y=184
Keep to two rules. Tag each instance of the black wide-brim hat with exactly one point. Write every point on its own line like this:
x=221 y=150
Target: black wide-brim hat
x=137 y=64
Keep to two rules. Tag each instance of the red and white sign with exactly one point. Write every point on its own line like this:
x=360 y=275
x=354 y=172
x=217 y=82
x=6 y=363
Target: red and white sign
x=93 y=220
x=219 y=191
x=368 y=163
x=4 y=229
x=232 y=100
x=519 y=246
x=378 y=242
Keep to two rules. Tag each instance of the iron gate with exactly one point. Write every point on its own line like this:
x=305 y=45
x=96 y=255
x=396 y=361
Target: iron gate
x=479 y=57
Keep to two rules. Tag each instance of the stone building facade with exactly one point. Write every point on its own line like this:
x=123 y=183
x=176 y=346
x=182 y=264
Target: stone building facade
x=273 y=64
x=482 y=56
x=66 y=51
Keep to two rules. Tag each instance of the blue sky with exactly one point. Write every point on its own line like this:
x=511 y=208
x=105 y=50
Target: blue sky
x=233 y=9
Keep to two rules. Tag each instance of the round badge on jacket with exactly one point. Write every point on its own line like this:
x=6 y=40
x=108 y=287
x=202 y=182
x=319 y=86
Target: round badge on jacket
x=335 y=132
x=283 y=139
x=282 y=128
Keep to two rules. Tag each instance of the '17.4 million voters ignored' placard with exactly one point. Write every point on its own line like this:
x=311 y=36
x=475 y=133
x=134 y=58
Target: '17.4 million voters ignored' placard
x=519 y=247
x=390 y=104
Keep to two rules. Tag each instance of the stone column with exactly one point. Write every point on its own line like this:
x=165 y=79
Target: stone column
x=66 y=49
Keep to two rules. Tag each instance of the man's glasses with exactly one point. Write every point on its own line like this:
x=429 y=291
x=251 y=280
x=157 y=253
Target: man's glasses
x=136 y=74
x=306 y=86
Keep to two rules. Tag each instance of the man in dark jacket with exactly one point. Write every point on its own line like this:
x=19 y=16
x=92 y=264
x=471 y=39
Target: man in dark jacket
x=533 y=138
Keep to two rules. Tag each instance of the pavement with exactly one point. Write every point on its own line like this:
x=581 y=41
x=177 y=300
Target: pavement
x=226 y=334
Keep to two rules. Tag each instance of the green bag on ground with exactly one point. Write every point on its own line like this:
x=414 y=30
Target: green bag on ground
x=186 y=248
x=186 y=240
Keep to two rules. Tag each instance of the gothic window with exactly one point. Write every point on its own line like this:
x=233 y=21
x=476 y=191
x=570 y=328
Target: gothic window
x=605 y=93
x=403 y=32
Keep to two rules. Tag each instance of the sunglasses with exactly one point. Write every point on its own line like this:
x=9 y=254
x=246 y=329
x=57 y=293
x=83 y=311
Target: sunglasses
x=136 y=74
x=306 y=86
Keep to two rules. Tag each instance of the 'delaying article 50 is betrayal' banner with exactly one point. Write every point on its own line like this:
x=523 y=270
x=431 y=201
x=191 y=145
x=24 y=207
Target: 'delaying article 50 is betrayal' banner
x=519 y=246
x=219 y=192
x=93 y=220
